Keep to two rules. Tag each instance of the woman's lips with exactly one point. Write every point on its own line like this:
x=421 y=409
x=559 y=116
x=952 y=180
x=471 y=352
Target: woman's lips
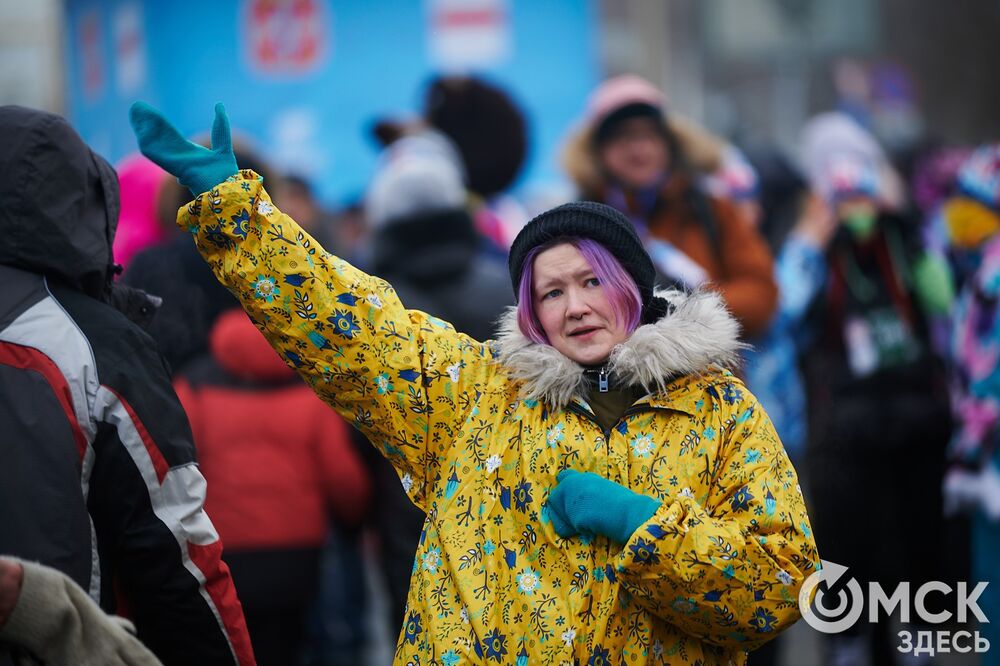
x=583 y=332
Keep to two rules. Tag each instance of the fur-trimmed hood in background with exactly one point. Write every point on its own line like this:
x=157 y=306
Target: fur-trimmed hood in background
x=702 y=148
x=698 y=333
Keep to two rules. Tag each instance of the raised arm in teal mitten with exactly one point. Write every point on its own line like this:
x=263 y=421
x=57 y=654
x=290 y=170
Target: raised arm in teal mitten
x=195 y=167
x=587 y=503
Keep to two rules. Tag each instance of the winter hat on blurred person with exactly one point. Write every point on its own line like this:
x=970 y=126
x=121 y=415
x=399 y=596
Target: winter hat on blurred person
x=139 y=182
x=417 y=174
x=973 y=214
x=629 y=96
x=838 y=155
x=845 y=176
x=486 y=126
x=619 y=99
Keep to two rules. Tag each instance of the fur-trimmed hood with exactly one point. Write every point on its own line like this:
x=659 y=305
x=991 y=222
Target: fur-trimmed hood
x=702 y=148
x=697 y=333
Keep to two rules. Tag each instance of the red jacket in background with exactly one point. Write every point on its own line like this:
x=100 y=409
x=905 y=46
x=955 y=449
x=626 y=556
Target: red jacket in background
x=278 y=461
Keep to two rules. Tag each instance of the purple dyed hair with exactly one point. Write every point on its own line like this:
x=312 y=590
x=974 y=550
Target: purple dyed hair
x=619 y=287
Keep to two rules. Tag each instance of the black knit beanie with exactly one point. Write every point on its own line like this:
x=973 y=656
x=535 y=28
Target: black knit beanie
x=604 y=224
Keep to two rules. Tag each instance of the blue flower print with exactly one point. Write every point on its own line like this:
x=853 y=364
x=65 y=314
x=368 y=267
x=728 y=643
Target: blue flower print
x=408 y=375
x=770 y=504
x=685 y=605
x=599 y=657
x=450 y=658
x=266 y=288
x=488 y=547
x=382 y=383
x=432 y=559
x=554 y=435
x=528 y=581
x=642 y=445
x=522 y=496
x=731 y=394
x=763 y=621
x=344 y=324
x=708 y=433
x=452 y=486
x=318 y=340
x=495 y=645
x=740 y=501
x=644 y=552
x=216 y=236
x=412 y=628
x=751 y=456
x=241 y=223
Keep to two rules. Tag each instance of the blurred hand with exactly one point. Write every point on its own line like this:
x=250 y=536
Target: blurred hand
x=11 y=577
x=196 y=167
x=960 y=490
x=989 y=485
x=817 y=222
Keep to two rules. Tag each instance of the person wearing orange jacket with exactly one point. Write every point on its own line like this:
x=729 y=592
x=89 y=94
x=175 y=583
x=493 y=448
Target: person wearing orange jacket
x=632 y=155
x=281 y=468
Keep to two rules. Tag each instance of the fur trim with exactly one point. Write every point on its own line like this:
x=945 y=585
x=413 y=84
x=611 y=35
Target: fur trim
x=703 y=150
x=697 y=334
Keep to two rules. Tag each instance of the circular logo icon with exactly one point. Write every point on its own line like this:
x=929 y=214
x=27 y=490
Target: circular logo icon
x=842 y=612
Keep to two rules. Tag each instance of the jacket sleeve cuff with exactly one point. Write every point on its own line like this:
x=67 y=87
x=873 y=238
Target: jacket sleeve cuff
x=188 y=216
x=650 y=541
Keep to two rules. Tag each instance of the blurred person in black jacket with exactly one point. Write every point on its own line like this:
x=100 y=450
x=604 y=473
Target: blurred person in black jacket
x=425 y=243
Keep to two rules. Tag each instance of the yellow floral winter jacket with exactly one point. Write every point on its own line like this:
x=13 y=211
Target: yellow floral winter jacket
x=478 y=432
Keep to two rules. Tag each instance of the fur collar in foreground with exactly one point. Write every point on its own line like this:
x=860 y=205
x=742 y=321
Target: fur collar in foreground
x=697 y=334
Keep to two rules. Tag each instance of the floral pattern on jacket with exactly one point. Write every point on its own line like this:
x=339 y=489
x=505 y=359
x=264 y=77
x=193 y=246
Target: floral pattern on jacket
x=478 y=441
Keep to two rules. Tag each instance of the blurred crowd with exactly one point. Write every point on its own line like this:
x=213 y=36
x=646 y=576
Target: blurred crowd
x=866 y=284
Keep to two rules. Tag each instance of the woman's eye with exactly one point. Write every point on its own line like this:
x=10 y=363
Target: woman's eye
x=551 y=294
x=593 y=282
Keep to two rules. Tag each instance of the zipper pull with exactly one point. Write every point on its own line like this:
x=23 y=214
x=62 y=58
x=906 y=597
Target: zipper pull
x=602 y=380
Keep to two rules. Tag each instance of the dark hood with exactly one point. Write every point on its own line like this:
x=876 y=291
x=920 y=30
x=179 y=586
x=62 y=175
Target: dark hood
x=60 y=201
x=427 y=248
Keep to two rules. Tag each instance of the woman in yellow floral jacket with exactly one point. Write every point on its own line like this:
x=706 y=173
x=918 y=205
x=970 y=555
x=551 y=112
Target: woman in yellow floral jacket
x=677 y=535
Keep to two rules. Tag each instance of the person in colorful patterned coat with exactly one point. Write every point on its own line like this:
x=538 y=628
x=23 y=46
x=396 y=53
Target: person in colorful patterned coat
x=972 y=483
x=598 y=488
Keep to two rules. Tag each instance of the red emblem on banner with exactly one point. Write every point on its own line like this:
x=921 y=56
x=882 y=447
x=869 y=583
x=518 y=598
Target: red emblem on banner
x=91 y=57
x=285 y=36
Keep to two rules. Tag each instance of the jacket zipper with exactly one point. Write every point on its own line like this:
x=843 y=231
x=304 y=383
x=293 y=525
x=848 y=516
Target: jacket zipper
x=580 y=411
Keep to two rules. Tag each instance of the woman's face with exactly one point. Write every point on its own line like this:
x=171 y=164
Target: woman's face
x=572 y=308
x=636 y=154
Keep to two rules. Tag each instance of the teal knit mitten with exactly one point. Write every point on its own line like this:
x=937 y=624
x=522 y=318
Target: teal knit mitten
x=195 y=167
x=587 y=503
